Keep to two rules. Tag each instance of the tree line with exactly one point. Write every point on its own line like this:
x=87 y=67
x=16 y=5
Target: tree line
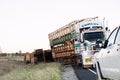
x=11 y=54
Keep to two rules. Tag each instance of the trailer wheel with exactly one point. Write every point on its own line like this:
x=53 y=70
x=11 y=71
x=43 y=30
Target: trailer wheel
x=80 y=64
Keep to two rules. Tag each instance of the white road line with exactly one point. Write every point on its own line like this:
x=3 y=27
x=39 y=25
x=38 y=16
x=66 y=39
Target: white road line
x=92 y=71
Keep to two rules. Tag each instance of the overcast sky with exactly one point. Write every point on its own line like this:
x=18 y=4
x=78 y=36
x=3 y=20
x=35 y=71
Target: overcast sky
x=25 y=24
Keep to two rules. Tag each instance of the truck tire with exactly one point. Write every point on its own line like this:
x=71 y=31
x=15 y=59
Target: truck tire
x=80 y=64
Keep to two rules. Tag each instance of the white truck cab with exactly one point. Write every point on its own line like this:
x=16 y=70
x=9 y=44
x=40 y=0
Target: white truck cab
x=92 y=36
x=108 y=58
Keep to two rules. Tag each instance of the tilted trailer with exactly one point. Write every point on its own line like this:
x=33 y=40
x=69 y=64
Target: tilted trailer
x=39 y=55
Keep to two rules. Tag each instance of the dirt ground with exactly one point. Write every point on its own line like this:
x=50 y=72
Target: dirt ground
x=7 y=65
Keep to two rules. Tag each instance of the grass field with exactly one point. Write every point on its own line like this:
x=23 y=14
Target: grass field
x=19 y=71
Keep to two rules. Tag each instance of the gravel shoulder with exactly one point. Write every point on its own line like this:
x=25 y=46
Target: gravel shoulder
x=69 y=73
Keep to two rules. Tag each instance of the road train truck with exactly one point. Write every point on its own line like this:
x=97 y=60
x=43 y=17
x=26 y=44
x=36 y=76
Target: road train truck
x=76 y=42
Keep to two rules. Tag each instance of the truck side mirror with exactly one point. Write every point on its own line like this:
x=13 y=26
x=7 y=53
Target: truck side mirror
x=82 y=41
x=105 y=44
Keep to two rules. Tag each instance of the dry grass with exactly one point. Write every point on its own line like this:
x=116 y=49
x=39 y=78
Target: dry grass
x=8 y=66
x=42 y=71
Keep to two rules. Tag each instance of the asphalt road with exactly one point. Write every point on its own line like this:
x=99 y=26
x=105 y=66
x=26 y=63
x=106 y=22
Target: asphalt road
x=85 y=74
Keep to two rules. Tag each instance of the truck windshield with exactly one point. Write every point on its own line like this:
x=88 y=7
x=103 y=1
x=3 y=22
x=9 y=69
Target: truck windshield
x=93 y=36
